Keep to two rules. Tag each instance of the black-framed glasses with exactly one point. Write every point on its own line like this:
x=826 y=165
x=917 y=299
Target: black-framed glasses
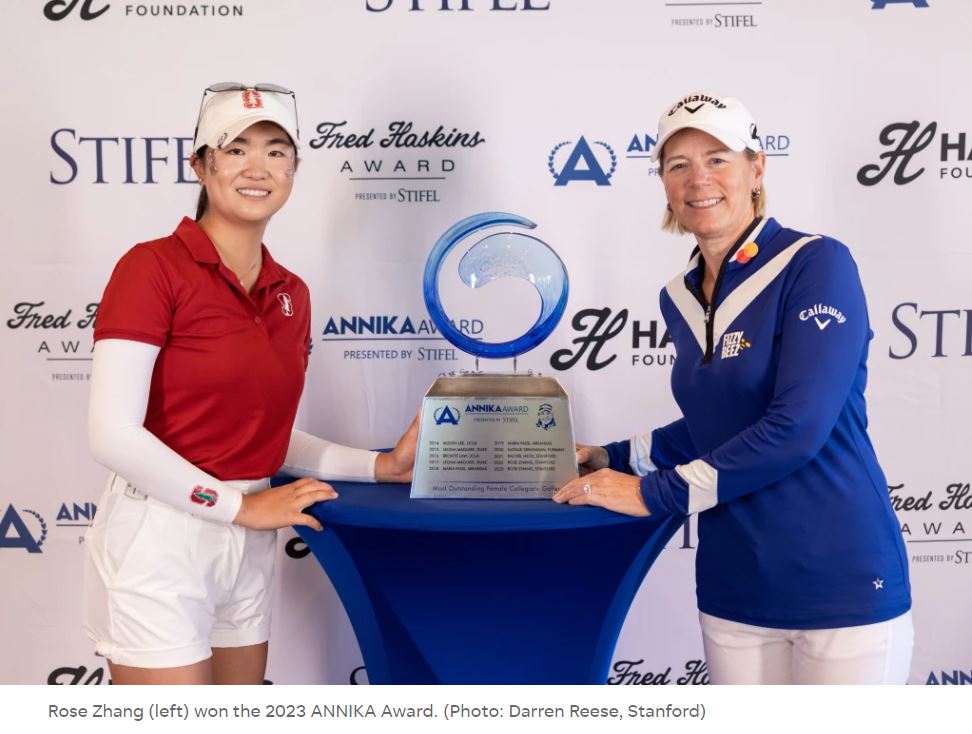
x=239 y=87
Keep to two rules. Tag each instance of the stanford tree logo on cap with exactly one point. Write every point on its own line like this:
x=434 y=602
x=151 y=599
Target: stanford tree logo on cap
x=252 y=99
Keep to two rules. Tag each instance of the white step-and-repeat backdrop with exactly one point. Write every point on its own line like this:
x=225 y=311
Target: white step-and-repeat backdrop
x=415 y=114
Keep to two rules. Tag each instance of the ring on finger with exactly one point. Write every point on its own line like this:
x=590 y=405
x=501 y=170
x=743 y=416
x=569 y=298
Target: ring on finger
x=587 y=489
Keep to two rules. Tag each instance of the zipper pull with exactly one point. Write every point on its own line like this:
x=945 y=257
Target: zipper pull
x=708 y=313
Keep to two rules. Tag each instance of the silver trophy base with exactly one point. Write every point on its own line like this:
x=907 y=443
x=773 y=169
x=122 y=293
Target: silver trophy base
x=494 y=436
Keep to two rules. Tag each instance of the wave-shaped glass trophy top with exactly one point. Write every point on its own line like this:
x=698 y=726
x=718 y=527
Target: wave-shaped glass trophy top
x=499 y=255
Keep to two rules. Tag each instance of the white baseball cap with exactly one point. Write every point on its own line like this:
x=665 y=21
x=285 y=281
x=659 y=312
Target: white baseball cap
x=723 y=118
x=229 y=108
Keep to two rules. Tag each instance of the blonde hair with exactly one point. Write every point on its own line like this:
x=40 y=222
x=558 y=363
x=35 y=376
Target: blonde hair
x=671 y=224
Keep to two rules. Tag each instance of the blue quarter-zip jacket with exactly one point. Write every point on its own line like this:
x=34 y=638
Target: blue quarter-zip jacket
x=796 y=529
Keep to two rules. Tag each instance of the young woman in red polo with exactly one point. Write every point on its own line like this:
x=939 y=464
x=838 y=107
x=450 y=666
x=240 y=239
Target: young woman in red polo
x=202 y=342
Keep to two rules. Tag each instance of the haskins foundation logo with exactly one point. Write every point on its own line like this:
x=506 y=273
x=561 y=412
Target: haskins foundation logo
x=61 y=9
x=85 y=10
x=69 y=675
x=914 y=148
x=603 y=334
x=405 y=163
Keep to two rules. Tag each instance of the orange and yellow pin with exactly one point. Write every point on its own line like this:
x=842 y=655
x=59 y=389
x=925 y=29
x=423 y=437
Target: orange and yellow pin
x=746 y=253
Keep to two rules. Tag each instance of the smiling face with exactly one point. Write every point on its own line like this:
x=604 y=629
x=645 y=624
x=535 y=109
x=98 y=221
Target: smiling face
x=709 y=187
x=250 y=178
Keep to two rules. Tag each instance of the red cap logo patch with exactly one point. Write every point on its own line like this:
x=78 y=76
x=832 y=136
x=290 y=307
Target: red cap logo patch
x=204 y=496
x=252 y=99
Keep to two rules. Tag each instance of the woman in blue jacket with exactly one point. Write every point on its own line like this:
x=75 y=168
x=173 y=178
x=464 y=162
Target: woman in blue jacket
x=802 y=575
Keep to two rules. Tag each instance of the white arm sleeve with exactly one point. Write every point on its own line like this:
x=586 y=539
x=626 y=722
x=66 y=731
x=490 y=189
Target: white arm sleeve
x=121 y=375
x=310 y=456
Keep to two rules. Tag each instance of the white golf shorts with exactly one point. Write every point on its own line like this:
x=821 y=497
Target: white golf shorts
x=162 y=588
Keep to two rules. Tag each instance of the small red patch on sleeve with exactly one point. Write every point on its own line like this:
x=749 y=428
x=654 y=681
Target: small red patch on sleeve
x=204 y=496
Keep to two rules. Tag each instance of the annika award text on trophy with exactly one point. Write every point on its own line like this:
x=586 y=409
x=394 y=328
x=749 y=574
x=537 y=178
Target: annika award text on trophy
x=495 y=435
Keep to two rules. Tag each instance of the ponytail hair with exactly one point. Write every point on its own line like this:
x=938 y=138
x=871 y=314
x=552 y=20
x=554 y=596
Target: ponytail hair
x=202 y=203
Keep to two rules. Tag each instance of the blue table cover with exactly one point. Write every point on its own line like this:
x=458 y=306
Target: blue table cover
x=482 y=591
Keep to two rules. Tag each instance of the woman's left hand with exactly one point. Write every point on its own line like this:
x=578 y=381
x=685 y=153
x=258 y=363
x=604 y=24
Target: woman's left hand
x=396 y=465
x=605 y=488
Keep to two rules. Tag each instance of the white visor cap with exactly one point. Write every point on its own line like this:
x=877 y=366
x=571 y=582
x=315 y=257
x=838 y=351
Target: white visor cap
x=724 y=118
x=225 y=115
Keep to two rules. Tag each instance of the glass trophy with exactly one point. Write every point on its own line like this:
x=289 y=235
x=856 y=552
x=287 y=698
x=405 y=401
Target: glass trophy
x=495 y=435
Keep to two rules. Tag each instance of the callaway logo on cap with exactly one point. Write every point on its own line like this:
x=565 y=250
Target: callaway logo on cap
x=724 y=118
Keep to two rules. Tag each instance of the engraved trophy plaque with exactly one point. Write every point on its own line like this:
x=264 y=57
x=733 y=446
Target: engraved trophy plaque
x=495 y=435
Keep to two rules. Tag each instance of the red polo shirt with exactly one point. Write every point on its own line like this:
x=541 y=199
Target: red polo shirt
x=227 y=382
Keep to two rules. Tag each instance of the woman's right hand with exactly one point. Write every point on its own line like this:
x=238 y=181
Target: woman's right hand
x=591 y=458
x=283 y=506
